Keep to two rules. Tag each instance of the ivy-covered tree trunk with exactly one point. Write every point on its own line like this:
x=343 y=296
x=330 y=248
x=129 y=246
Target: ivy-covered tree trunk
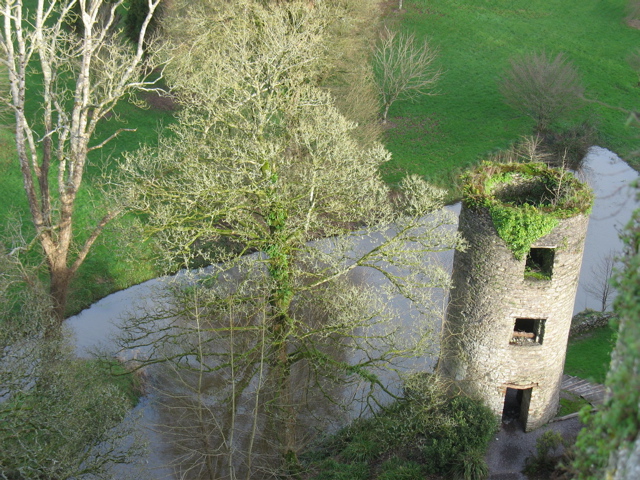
x=282 y=331
x=263 y=161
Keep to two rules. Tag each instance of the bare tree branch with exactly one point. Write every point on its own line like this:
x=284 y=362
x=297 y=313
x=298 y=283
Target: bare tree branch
x=111 y=137
x=405 y=69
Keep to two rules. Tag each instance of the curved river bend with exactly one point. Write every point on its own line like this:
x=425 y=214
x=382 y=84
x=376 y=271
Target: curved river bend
x=608 y=175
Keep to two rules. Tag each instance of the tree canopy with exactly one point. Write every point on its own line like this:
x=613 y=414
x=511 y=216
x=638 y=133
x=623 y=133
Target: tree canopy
x=262 y=162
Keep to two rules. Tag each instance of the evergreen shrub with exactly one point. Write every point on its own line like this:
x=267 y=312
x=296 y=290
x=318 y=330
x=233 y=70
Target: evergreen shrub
x=428 y=431
x=470 y=466
x=469 y=428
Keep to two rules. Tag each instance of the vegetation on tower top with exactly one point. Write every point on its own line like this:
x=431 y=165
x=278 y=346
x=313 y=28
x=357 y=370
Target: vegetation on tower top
x=525 y=200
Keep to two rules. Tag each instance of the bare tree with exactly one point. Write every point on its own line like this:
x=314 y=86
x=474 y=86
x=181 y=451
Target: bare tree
x=405 y=69
x=600 y=287
x=75 y=78
x=542 y=87
x=262 y=162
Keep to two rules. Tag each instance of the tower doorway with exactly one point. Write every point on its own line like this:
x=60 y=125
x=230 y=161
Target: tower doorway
x=516 y=406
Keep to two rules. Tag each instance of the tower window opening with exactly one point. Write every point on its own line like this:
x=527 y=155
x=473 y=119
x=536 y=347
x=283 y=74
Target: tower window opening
x=539 y=264
x=527 y=331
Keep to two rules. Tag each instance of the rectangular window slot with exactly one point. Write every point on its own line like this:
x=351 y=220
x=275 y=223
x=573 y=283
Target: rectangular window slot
x=527 y=331
x=539 y=264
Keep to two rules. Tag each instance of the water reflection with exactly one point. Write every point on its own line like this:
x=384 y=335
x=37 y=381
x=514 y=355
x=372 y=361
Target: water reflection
x=226 y=407
x=610 y=178
x=235 y=396
x=606 y=173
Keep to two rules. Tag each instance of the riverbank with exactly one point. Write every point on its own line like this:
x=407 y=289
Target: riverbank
x=95 y=325
x=608 y=175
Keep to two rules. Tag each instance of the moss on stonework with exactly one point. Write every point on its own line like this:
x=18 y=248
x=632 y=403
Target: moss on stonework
x=525 y=200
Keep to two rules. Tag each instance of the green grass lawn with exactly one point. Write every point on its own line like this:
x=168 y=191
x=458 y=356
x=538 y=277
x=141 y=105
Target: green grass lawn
x=571 y=404
x=440 y=135
x=589 y=355
x=116 y=260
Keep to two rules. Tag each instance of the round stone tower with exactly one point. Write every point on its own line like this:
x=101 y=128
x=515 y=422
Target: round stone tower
x=510 y=308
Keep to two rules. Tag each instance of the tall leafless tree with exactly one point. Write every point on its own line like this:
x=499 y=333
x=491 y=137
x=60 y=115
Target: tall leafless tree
x=75 y=77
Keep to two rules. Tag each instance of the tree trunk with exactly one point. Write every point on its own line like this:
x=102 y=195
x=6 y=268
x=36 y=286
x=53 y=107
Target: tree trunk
x=70 y=111
x=386 y=112
x=59 y=278
x=280 y=271
x=287 y=415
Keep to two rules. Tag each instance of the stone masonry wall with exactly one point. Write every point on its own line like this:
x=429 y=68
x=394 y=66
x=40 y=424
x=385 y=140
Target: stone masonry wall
x=489 y=292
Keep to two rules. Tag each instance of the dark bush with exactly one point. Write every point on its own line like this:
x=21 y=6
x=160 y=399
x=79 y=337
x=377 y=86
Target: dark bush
x=544 y=461
x=426 y=432
x=469 y=428
x=136 y=13
x=542 y=87
x=568 y=146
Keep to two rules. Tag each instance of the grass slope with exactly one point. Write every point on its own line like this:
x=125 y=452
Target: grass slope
x=588 y=356
x=439 y=135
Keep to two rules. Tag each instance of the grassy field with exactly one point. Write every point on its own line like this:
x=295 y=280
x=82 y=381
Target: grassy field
x=438 y=136
x=588 y=356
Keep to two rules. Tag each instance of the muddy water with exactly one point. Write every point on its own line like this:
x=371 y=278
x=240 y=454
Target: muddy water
x=607 y=174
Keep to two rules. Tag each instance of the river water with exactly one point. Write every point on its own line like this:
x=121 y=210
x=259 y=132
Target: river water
x=610 y=178
x=608 y=175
